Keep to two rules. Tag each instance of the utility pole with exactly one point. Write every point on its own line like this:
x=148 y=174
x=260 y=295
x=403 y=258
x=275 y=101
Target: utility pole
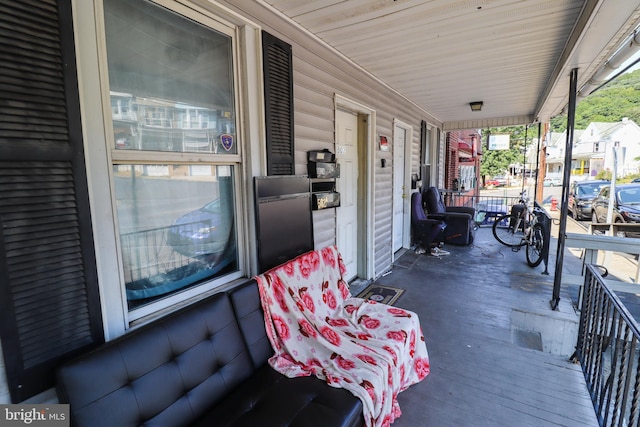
x=612 y=188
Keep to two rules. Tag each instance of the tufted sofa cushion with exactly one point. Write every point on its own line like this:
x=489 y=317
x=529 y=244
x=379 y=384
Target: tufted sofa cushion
x=169 y=373
x=245 y=300
x=195 y=368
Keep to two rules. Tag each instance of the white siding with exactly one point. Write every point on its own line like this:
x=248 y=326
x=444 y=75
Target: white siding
x=319 y=74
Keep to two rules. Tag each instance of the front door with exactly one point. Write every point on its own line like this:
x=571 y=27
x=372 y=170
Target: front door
x=399 y=194
x=347 y=186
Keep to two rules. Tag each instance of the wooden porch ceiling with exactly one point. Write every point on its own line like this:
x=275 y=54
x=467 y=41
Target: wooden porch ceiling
x=514 y=55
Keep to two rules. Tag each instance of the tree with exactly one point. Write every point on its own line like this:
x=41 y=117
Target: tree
x=496 y=162
x=617 y=99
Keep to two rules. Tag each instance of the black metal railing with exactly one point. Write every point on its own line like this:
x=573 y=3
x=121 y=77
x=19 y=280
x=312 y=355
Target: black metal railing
x=147 y=253
x=487 y=207
x=608 y=352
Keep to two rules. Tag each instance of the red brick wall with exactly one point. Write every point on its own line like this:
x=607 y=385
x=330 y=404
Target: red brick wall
x=457 y=142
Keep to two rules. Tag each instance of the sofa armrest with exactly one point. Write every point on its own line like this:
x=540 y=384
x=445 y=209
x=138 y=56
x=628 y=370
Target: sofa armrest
x=437 y=216
x=462 y=209
x=451 y=216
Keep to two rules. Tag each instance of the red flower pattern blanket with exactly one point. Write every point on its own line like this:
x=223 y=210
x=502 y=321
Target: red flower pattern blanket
x=317 y=328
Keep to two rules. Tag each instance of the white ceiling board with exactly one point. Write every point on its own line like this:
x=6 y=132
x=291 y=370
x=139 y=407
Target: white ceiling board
x=515 y=55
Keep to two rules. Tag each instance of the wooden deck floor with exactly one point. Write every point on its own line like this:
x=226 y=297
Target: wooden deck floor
x=483 y=371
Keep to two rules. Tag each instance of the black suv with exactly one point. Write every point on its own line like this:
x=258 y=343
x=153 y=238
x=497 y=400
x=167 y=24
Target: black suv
x=581 y=196
x=626 y=208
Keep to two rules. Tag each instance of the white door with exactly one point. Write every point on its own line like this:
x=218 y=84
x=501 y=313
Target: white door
x=399 y=194
x=347 y=186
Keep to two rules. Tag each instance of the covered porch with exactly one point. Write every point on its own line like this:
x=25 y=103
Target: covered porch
x=477 y=308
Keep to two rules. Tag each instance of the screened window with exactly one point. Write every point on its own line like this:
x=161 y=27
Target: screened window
x=176 y=151
x=467 y=174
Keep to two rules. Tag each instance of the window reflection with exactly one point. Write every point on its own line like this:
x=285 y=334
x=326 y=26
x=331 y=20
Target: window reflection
x=176 y=227
x=161 y=125
x=171 y=81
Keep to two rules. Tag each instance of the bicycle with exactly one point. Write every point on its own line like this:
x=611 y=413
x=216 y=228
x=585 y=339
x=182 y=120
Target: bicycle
x=520 y=227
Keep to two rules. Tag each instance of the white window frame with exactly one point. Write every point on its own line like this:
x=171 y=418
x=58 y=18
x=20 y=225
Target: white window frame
x=101 y=154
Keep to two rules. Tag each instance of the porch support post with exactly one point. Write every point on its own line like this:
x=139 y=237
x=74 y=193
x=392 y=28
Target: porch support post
x=535 y=189
x=564 y=202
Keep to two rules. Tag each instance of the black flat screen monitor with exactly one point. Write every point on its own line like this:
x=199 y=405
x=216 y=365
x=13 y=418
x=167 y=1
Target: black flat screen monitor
x=283 y=219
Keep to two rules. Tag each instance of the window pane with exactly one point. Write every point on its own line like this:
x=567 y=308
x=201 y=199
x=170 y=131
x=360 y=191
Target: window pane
x=176 y=227
x=467 y=174
x=171 y=81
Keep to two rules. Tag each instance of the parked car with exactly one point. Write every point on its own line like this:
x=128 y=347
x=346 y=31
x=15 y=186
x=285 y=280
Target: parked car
x=498 y=181
x=581 y=195
x=552 y=182
x=201 y=232
x=626 y=208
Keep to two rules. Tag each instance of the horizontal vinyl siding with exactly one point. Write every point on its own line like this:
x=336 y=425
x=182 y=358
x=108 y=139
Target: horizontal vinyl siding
x=319 y=74
x=324 y=224
x=316 y=81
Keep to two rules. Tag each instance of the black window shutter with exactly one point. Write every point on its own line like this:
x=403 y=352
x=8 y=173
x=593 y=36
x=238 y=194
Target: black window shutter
x=278 y=95
x=49 y=303
x=423 y=141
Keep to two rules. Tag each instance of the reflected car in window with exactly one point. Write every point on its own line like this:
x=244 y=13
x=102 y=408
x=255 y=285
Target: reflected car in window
x=626 y=208
x=581 y=196
x=202 y=232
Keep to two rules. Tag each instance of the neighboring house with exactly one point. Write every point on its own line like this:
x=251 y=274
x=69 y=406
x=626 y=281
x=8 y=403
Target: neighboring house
x=555 y=148
x=592 y=150
x=463 y=161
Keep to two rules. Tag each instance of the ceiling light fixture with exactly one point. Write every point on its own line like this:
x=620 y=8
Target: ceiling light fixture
x=476 y=105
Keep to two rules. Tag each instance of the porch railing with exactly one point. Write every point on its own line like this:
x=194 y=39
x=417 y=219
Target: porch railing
x=147 y=253
x=487 y=207
x=609 y=353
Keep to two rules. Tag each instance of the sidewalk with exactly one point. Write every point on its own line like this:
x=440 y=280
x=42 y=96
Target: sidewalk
x=620 y=265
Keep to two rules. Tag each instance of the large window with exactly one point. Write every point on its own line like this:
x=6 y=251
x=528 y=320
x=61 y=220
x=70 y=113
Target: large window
x=176 y=150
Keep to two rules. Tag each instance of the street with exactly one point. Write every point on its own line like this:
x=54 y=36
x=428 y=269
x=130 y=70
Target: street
x=622 y=266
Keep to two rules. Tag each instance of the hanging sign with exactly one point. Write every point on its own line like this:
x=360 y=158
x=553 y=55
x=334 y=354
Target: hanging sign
x=499 y=142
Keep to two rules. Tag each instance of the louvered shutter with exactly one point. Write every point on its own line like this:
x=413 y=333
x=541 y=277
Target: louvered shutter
x=49 y=304
x=423 y=141
x=278 y=95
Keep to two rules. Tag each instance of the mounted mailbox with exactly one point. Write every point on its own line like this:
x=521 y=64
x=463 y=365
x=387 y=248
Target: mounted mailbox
x=324 y=200
x=323 y=170
x=324 y=195
x=322 y=164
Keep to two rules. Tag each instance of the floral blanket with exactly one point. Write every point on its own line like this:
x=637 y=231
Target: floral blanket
x=317 y=328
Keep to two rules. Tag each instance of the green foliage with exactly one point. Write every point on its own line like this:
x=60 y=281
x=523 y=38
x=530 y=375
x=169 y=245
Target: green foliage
x=619 y=98
x=604 y=174
x=496 y=162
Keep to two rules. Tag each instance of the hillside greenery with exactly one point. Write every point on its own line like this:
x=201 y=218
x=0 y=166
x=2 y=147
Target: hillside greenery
x=617 y=99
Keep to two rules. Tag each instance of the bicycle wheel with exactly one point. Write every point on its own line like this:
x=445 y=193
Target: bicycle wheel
x=535 y=246
x=505 y=232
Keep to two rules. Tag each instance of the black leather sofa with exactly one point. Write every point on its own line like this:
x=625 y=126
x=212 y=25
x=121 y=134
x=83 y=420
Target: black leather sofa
x=204 y=365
